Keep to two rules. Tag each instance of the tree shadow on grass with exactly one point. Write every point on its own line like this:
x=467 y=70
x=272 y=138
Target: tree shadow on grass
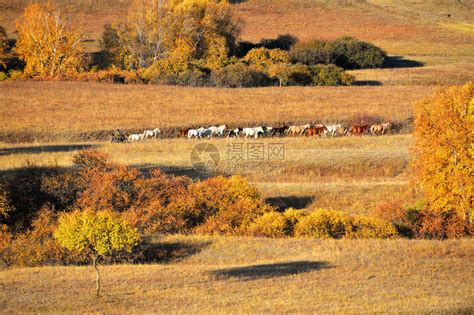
x=45 y=148
x=270 y=270
x=284 y=202
x=168 y=252
x=401 y=62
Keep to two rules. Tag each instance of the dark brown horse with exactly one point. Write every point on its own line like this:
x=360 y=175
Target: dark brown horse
x=359 y=130
x=281 y=131
x=315 y=131
x=183 y=133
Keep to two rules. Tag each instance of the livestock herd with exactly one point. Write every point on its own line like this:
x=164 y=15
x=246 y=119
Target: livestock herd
x=309 y=130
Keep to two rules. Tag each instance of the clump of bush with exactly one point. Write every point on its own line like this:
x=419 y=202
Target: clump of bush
x=239 y=76
x=346 y=52
x=369 y=227
x=323 y=223
x=417 y=220
x=276 y=224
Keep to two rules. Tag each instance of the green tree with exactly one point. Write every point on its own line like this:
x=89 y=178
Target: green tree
x=443 y=163
x=95 y=234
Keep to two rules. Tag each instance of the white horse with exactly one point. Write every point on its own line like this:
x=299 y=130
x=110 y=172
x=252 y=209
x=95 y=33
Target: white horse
x=332 y=129
x=135 y=137
x=193 y=133
x=235 y=133
x=221 y=130
x=205 y=132
x=151 y=133
x=253 y=132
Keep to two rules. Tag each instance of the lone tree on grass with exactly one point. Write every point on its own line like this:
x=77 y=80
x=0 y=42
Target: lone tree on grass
x=95 y=234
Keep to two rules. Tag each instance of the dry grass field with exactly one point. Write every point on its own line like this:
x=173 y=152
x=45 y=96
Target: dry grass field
x=46 y=123
x=349 y=173
x=251 y=275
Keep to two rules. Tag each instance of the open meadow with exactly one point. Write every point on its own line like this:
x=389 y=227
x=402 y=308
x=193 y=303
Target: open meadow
x=430 y=44
x=255 y=275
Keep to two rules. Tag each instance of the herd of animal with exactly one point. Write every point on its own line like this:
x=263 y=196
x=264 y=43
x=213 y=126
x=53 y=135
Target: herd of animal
x=319 y=130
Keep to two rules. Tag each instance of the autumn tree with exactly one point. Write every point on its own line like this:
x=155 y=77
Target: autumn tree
x=443 y=161
x=48 y=44
x=95 y=234
x=3 y=47
x=179 y=30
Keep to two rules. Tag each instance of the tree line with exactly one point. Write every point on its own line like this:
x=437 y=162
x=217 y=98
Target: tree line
x=179 y=42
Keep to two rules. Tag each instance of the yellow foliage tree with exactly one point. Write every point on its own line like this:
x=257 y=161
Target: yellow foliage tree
x=3 y=46
x=96 y=234
x=47 y=43
x=443 y=163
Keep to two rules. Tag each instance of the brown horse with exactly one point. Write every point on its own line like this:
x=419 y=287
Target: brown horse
x=359 y=130
x=315 y=131
x=183 y=133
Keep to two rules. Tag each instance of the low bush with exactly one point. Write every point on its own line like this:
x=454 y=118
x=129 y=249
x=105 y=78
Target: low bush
x=239 y=76
x=264 y=57
x=369 y=227
x=346 y=52
x=350 y=53
x=330 y=75
x=323 y=223
x=3 y=76
x=271 y=224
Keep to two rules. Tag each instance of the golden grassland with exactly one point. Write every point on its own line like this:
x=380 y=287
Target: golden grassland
x=349 y=173
x=241 y=275
x=63 y=108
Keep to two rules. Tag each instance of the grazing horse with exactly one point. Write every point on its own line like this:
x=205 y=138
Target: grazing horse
x=151 y=133
x=235 y=133
x=359 y=130
x=298 y=130
x=253 y=132
x=281 y=131
x=205 y=132
x=386 y=127
x=332 y=129
x=183 y=133
x=316 y=131
x=193 y=133
x=135 y=137
x=376 y=129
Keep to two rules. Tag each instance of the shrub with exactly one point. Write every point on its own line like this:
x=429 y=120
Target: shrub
x=239 y=76
x=317 y=52
x=322 y=223
x=370 y=227
x=264 y=57
x=346 y=52
x=271 y=224
x=228 y=205
x=37 y=246
x=350 y=53
x=3 y=76
x=330 y=75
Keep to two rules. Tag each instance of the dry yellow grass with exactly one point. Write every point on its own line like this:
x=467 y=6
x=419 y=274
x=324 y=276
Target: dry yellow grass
x=66 y=108
x=252 y=275
x=349 y=173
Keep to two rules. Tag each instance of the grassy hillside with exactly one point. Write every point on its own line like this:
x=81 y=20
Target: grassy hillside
x=224 y=275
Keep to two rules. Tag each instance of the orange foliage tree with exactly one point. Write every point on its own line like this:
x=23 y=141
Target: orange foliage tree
x=3 y=46
x=47 y=43
x=443 y=161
